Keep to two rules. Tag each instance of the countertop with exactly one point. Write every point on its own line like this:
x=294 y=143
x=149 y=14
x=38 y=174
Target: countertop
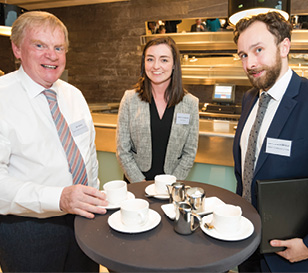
x=215 y=138
x=207 y=127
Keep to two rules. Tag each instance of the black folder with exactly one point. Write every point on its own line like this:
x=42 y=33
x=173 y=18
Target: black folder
x=283 y=208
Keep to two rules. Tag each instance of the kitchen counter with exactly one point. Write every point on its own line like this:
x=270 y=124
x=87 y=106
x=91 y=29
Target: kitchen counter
x=215 y=138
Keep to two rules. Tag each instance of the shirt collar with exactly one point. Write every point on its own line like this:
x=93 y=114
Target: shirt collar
x=32 y=88
x=279 y=88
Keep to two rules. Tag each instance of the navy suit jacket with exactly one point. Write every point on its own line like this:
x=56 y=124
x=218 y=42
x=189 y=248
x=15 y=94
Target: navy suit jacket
x=290 y=123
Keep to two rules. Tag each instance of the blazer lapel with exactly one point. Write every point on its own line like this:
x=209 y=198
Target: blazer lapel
x=174 y=133
x=143 y=130
x=284 y=110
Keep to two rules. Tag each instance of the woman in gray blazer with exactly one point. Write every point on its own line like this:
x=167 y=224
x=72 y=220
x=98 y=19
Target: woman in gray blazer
x=158 y=121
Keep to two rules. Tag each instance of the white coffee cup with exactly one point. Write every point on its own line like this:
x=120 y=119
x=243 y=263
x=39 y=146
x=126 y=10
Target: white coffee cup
x=161 y=182
x=116 y=191
x=134 y=212
x=227 y=219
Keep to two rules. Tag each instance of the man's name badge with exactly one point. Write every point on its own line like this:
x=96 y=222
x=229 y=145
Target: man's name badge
x=182 y=118
x=278 y=146
x=78 y=128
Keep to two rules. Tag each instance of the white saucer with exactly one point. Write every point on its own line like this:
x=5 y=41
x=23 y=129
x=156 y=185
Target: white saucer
x=151 y=190
x=245 y=231
x=209 y=204
x=130 y=195
x=115 y=222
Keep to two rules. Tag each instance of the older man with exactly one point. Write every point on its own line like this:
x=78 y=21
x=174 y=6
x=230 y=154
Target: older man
x=48 y=165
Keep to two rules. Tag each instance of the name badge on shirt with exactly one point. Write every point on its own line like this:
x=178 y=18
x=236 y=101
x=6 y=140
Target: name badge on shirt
x=182 y=118
x=78 y=128
x=278 y=146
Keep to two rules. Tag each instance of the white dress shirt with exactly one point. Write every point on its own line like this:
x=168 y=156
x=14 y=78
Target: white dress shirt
x=33 y=165
x=277 y=91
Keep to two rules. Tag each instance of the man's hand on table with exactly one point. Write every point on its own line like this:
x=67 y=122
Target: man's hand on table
x=83 y=200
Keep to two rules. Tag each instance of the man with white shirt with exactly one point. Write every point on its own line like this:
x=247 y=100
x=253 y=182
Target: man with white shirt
x=263 y=43
x=45 y=178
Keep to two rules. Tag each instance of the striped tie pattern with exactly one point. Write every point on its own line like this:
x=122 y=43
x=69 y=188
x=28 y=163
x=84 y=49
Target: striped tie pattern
x=250 y=157
x=74 y=158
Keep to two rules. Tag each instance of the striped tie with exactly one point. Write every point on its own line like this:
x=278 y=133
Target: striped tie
x=74 y=158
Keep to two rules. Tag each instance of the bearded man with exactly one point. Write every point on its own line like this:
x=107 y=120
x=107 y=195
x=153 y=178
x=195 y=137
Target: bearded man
x=263 y=43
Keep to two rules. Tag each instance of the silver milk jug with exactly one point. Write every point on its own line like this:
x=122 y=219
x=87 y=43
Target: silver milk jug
x=186 y=221
x=177 y=192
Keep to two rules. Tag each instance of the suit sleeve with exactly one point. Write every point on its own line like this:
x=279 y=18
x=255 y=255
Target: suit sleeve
x=306 y=240
x=124 y=144
x=190 y=147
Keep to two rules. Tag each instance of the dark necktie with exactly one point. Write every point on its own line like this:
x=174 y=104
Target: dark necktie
x=74 y=158
x=250 y=157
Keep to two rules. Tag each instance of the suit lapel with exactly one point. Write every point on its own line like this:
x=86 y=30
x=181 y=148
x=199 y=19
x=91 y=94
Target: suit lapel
x=284 y=110
x=251 y=100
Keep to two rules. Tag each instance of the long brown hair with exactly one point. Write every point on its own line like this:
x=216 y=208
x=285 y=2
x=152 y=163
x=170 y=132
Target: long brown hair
x=175 y=91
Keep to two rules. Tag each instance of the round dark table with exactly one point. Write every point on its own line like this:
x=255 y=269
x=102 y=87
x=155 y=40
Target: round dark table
x=162 y=249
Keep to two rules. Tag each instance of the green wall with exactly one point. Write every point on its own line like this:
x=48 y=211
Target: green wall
x=221 y=176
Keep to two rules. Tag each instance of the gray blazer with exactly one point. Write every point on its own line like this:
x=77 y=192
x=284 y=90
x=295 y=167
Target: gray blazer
x=134 y=148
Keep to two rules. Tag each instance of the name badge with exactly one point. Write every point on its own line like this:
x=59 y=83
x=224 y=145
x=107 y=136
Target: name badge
x=278 y=146
x=78 y=128
x=182 y=118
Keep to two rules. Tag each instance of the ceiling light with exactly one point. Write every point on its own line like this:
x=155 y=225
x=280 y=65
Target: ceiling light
x=5 y=30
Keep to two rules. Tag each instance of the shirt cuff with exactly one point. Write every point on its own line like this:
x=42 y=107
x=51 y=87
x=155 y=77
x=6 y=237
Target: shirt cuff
x=50 y=198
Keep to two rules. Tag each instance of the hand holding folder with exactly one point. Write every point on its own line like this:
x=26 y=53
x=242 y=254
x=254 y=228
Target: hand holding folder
x=283 y=208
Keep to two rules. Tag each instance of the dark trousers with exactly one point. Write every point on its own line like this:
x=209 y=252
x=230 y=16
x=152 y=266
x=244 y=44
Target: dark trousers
x=41 y=245
x=255 y=263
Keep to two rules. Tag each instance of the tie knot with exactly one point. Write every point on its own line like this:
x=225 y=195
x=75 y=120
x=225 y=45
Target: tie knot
x=264 y=99
x=50 y=95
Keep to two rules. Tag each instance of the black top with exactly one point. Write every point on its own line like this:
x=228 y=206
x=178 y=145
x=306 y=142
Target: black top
x=160 y=132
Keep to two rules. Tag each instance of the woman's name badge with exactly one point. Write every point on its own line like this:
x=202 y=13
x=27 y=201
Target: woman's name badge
x=278 y=146
x=182 y=118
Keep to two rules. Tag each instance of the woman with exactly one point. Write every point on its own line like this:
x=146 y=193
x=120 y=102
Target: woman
x=158 y=121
